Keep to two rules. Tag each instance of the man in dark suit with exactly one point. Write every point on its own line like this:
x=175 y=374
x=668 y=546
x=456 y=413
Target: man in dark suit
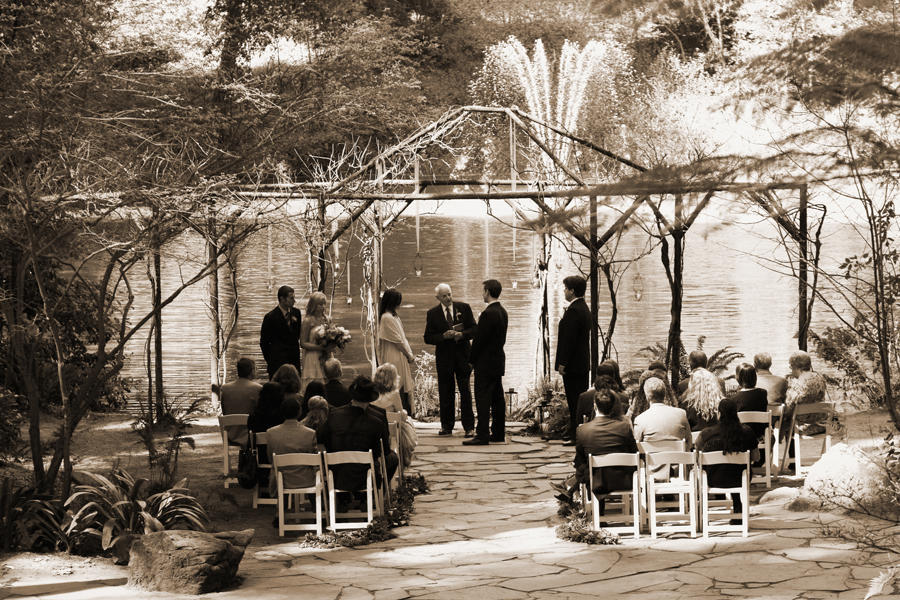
x=336 y=392
x=279 y=336
x=489 y=361
x=449 y=327
x=359 y=427
x=573 y=347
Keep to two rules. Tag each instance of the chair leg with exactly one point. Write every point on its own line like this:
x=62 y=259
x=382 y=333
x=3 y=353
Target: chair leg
x=798 y=462
x=636 y=503
x=776 y=449
x=705 y=513
x=596 y=508
x=651 y=501
x=768 y=462
x=692 y=507
x=745 y=506
x=369 y=497
x=332 y=507
x=318 y=511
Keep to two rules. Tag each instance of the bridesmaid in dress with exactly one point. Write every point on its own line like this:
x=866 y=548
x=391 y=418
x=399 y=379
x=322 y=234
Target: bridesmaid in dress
x=312 y=350
x=393 y=346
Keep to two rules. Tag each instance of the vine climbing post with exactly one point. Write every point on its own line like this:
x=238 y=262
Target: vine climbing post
x=803 y=326
x=595 y=289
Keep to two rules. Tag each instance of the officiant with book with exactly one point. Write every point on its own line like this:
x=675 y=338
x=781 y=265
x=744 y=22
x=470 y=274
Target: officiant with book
x=449 y=326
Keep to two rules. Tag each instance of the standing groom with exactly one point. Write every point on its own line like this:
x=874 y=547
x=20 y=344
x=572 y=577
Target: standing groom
x=279 y=336
x=449 y=327
x=490 y=364
x=573 y=348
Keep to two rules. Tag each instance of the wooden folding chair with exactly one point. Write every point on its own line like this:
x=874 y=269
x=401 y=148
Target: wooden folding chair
x=226 y=421
x=777 y=411
x=760 y=416
x=262 y=463
x=813 y=408
x=285 y=495
x=346 y=458
x=720 y=458
x=629 y=500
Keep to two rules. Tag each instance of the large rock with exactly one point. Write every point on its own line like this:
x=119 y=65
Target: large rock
x=847 y=477
x=188 y=562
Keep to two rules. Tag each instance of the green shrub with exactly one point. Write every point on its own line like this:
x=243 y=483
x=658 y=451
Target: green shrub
x=577 y=528
x=29 y=521
x=425 y=390
x=12 y=407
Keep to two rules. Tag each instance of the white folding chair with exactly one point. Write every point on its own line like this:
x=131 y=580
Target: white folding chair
x=226 y=421
x=813 y=408
x=628 y=499
x=347 y=458
x=777 y=411
x=394 y=419
x=761 y=416
x=285 y=495
x=720 y=458
x=262 y=463
x=665 y=454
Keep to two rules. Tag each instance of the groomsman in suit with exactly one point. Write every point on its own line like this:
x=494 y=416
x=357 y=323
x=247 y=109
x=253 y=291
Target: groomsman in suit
x=573 y=348
x=489 y=361
x=449 y=326
x=279 y=336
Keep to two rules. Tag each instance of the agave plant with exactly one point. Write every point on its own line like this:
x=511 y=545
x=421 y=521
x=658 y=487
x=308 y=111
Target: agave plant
x=116 y=509
x=29 y=521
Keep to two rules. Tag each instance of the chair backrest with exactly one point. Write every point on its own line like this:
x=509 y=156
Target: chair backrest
x=394 y=416
x=694 y=436
x=777 y=410
x=261 y=439
x=349 y=457
x=233 y=420
x=814 y=408
x=679 y=457
x=756 y=416
x=661 y=446
x=394 y=431
x=297 y=459
x=720 y=458
x=618 y=459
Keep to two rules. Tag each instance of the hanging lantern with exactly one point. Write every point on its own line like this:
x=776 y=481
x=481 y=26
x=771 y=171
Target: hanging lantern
x=515 y=284
x=417 y=264
x=637 y=286
x=512 y=397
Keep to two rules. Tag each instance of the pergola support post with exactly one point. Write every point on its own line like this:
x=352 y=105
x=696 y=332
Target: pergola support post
x=595 y=289
x=803 y=242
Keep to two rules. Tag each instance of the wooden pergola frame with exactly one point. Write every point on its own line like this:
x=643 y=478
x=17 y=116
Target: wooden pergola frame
x=377 y=175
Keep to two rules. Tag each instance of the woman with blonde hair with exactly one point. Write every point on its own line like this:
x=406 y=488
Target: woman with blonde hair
x=385 y=380
x=316 y=416
x=313 y=325
x=701 y=400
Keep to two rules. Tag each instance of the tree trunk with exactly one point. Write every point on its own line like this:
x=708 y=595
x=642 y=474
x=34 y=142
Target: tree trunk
x=595 y=293
x=614 y=315
x=673 y=344
x=215 y=346
x=157 y=317
x=232 y=40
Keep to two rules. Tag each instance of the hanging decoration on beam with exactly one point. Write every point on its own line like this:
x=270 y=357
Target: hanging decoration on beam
x=417 y=262
x=637 y=285
x=515 y=282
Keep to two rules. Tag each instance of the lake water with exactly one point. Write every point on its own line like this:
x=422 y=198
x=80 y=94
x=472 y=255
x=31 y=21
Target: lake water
x=730 y=297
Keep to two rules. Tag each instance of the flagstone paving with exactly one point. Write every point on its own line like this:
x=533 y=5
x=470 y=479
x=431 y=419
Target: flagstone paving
x=486 y=529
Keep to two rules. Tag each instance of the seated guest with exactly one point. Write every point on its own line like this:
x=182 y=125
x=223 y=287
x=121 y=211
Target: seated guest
x=240 y=397
x=605 y=434
x=701 y=400
x=316 y=416
x=804 y=386
x=357 y=427
x=698 y=360
x=775 y=386
x=385 y=381
x=605 y=380
x=661 y=422
x=728 y=435
x=291 y=436
x=335 y=392
x=750 y=397
x=267 y=415
x=639 y=402
x=313 y=388
x=289 y=379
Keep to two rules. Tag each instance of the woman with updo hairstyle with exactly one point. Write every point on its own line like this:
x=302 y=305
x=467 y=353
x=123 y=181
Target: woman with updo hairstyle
x=316 y=416
x=385 y=380
x=314 y=322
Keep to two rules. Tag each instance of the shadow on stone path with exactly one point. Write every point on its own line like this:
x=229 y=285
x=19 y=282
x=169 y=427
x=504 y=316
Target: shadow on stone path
x=486 y=530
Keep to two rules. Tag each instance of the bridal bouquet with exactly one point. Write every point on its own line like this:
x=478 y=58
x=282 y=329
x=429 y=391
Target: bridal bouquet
x=332 y=336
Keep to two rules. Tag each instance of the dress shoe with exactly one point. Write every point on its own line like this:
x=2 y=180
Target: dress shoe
x=497 y=439
x=475 y=442
x=470 y=433
x=445 y=432
x=569 y=443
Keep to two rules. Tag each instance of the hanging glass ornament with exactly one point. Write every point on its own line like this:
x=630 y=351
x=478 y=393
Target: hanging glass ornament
x=637 y=286
x=417 y=264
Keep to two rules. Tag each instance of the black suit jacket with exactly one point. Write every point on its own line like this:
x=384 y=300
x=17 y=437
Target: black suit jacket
x=336 y=393
x=604 y=435
x=279 y=341
x=355 y=429
x=753 y=400
x=487 y=354
x=573 y=343
x=436 y=324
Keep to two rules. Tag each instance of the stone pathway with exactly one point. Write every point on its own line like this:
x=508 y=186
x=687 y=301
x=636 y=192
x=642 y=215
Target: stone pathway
x=486 y=530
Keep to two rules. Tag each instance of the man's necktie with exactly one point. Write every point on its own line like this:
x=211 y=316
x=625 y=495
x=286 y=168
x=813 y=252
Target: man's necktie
x=449 y=317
